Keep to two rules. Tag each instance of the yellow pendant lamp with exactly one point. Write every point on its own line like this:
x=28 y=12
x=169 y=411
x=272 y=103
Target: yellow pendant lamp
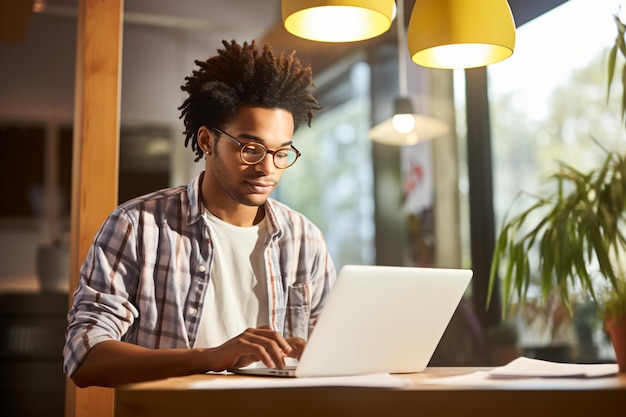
x=460 y=33
x=337 y=20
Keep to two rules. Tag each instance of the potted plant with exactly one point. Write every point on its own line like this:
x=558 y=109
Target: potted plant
x=577 y=229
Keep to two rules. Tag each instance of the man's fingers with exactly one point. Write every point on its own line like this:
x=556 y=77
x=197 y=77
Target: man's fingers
x=260 y=344
x=269 y=346
x=297 y=347
x=267 y=332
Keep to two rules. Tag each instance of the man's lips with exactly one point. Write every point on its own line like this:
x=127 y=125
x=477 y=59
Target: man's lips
x=261 y=187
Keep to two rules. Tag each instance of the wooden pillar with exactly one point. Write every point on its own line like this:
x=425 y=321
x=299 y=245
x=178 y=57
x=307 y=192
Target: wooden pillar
x=95 y=164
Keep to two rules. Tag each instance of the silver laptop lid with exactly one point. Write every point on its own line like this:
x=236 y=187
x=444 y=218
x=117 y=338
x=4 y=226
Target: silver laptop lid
x=383 y=319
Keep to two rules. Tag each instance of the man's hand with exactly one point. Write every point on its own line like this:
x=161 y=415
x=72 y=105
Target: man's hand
x=260 y=344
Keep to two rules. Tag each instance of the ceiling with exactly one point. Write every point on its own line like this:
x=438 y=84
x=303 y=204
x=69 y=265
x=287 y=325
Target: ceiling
x=213 y=16
x=250 y=18
x=214 y=20
x=219 y=19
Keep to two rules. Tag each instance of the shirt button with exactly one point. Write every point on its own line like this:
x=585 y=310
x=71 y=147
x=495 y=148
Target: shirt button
x=192 y=311
x=201 y=268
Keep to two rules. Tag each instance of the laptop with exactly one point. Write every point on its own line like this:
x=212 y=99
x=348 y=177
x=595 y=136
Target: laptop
x=378 y=319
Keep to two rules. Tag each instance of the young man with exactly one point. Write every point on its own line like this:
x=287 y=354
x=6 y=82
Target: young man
x=215 y=274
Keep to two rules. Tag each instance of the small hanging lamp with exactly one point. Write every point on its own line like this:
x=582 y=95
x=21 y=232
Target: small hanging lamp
x=405 y=127
x=460 y=33
x=337 y=20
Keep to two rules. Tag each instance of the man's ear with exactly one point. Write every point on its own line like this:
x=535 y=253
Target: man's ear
x=205 y=140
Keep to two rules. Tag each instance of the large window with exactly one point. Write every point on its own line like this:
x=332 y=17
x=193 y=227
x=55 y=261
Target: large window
x=548 y=103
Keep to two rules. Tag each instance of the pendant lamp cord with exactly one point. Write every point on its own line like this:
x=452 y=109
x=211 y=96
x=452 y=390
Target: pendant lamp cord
x=402 y=77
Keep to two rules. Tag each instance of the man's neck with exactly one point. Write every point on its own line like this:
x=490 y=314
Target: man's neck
x=227 y=209
x=243 y=216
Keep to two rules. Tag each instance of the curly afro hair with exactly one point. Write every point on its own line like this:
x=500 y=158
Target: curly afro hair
x=243 y=75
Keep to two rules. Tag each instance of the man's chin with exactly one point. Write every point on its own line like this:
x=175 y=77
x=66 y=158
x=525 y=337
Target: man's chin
x=255 y=200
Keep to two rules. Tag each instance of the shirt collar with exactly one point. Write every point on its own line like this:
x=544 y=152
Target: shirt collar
x=195 y=205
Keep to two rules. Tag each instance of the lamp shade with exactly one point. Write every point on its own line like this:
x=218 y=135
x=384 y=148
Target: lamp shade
x=460 y=33
x=337 y=20
x=417 y=127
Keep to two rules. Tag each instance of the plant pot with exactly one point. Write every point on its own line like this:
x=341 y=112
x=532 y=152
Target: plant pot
x=616 y=327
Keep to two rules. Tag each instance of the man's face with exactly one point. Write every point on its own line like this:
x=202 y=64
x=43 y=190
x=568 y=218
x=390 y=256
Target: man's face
x=230 y=178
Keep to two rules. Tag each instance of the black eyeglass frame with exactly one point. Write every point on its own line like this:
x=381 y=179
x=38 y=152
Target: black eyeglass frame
x=243 y=145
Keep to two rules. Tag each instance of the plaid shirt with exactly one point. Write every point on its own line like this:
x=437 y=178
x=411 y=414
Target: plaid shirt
x=145 y=276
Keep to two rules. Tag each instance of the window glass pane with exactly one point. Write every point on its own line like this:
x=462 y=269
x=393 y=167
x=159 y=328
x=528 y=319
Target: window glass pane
x=548 y=102
x=332 y=183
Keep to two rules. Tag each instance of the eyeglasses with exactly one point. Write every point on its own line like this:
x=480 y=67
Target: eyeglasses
x=252 y=153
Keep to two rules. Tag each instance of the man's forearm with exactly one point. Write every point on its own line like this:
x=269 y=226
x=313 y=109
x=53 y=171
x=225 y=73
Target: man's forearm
x=114 y=363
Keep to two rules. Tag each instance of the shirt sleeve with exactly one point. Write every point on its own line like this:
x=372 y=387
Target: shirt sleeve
x=102 y=309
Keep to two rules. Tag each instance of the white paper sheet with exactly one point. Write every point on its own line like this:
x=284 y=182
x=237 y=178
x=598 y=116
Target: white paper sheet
x=532 y=374
x=527 y=368
x=368 y=380
x=481 y=379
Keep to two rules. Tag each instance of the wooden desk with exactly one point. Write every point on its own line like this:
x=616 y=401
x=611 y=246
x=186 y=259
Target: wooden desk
x=579 y=397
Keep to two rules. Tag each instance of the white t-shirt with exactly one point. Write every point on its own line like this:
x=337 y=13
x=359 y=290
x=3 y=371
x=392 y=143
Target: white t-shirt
x=236 y=297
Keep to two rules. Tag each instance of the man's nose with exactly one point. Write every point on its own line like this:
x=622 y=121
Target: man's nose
x=267 y=164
